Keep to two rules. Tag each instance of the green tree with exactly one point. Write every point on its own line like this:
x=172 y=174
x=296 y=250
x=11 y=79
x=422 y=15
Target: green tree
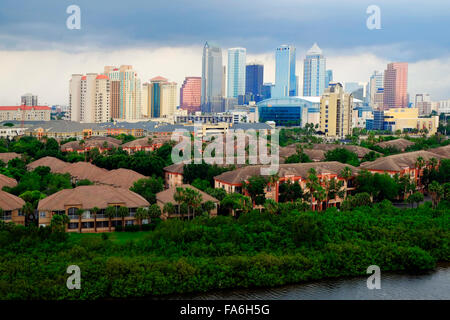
x=141 y=214
x=271 y=206
x=154 y=211
x=123 y=212
x=208 y=206
x=169 y=208
x=342 y=155
x=416 y=197
x=110 y=213
x=148 y=188
x=436 y=191
x=255 y=187
x=95 y=210
x=79 y=212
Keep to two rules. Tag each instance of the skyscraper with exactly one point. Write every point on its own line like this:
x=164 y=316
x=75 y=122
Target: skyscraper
x=328 y=78
x=376 y=82
x=29 y=99
x=129 y=107
x=89 y=98
x=254 y=76
x=159 y=98
x=285 y=80
x=314 y=71
x=190 y=94
x=336 y=111
x=396 y=85
x=212 y=79
x=236 y=72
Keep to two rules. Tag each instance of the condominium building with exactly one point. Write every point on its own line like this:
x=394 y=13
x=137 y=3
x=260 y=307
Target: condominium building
x=25 y=113
x=336 y=112
x=396 y=85
x=443 y=106
x=159 y=98
x=29 y=99
x=124 y=79
x=89 y=98
x=190 y=94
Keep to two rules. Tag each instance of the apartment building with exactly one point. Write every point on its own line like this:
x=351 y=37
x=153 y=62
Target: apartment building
x=25 y=113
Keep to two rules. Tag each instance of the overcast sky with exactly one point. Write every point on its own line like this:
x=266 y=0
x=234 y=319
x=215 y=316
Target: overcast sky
x=161 y=37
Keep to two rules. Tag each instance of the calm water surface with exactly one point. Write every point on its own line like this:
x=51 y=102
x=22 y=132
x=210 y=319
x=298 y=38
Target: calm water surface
x=432 y=285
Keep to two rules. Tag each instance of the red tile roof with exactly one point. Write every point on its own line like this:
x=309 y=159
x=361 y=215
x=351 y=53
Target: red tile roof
x=14 y=108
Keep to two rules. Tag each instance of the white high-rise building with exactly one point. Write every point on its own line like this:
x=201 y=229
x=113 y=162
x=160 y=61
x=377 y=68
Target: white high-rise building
x=236 y=72
x=376 y=82
x=89 y=98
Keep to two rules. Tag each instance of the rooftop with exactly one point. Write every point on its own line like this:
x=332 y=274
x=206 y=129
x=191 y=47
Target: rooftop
x=400 y=144
x=8 y=156
x=167 y=195
x=285 y=170
x=398 y=162
x=10 y=202
x=88 y=197
x=7 y=182
x=123 y=178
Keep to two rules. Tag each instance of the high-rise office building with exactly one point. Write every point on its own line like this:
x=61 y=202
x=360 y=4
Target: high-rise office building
x=328 y=78
x=29 y=99
x=423 y=103
x=376 y=82
x=359 y=90
x=129 y=106
x=266 y=90
x=212 y=79
x=89 y=98
x=254 y=76
x=396 y=85
x=314 y=71
x=285 y=80
x=190 y=94
x=236 y=72
x=336 y=111
x=159 y=98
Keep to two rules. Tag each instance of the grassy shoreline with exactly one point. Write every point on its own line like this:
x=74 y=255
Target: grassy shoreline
x=256 y=250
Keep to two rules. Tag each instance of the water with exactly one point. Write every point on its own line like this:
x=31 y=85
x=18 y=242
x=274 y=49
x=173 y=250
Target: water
x=432 y=285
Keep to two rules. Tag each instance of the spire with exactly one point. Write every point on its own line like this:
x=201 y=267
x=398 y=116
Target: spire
x=315 y=50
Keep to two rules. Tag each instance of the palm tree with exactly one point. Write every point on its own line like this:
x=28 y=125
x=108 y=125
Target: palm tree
x=154 y=211
x=208 y=206
x=420 y=163
x=436 y=191
x=110 y=212
x=433 y=162
x=95 y=210
x=169 y=208
x=346 y=174
x=123 y=212
x=312 y=184
x=334 y=189
x=79 y=212
x=193 y=199
x=141 y=214
x=178 y=198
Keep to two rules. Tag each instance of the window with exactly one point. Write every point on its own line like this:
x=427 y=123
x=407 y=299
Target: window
x=42 y=214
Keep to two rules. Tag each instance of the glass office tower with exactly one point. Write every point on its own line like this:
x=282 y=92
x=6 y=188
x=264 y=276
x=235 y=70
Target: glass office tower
x=212 y=79
x=285 y=80
x=236 y=72
x=314 y=72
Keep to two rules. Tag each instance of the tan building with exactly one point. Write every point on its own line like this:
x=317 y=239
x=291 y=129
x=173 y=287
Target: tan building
x=25 y=113
x=166 y=196
x=408 y=118
x=68 y=201
x=173 y=175
x=11 y=208
x=336 y=112
x=159 y=98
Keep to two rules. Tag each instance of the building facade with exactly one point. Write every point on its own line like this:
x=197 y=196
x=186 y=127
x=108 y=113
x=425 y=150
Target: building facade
x=314 y=72
x=159 y=98
x=285 y=80
x=190 y=94
x=336 y=112
x=25 y=113
x=376 y=82
x=213 y=74
x=423 y=103
x=254 y=76
x=236 y=72
x=29 y=99
x=396 y=85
